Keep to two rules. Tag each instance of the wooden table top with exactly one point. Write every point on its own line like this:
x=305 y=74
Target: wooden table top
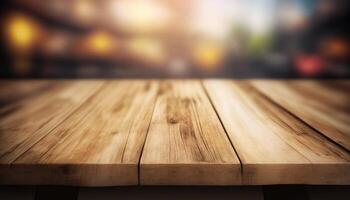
x=174 y=132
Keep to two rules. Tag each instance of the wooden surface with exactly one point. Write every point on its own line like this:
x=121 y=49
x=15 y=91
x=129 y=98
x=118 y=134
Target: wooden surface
x=186 y=144
x=323 y=105
x=274 y=146
x=98 y=144
x=174 y=132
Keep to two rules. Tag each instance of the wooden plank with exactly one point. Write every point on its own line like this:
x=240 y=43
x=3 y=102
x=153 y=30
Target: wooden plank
x=186 y=144
x=26 y=122
x=97 y=145
x=274 y=146
x=324 y=105
x=14 y=91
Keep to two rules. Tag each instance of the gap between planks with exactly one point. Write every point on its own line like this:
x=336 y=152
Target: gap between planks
x=186 y=143
x=217 y=114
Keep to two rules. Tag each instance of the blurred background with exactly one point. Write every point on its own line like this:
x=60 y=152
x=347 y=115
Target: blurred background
x=174 y=38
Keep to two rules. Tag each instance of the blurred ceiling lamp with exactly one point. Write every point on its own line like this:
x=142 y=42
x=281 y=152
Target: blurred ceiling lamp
x=100 y=42
x=84 y=10
x=208 y=56
x=139 y=15
x=148 y=50
x=21 y=32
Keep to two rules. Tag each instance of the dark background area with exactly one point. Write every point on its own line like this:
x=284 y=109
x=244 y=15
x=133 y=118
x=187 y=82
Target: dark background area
x=273 y=192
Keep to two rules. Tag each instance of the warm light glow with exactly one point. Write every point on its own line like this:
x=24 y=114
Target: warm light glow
x=208 y=56
x=336 y=47
x=21 y=32
x=147 y=49
x=84 y=9
x=100 y=42
x=139 y=15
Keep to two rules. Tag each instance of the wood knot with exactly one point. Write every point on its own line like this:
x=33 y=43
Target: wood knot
x=172 y=120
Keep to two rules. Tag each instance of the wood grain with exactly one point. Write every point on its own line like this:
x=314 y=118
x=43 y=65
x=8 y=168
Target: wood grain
x=97 y=145
x=26 y=122
x=324 y=105
x=174 y=132
x=12 y=92
x=186 y=143
x=274 y=146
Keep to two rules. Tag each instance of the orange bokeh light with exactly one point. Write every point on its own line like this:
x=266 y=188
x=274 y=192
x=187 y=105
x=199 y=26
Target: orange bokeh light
x=100 y=42
x=208 y=56
x=336 y=48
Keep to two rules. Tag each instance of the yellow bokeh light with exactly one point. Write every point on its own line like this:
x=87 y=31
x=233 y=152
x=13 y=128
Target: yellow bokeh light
x=208 y=56
x=21 y=32
x=147 y=49
x=100 y=42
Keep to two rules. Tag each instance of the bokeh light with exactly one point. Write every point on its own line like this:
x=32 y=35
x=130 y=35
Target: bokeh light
x=309 y=65
x=22 y=32
x=186 y=38
x=146 y=49
x=100 y=42
x=336 y=48
x=139 y=15
x=208 y=56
